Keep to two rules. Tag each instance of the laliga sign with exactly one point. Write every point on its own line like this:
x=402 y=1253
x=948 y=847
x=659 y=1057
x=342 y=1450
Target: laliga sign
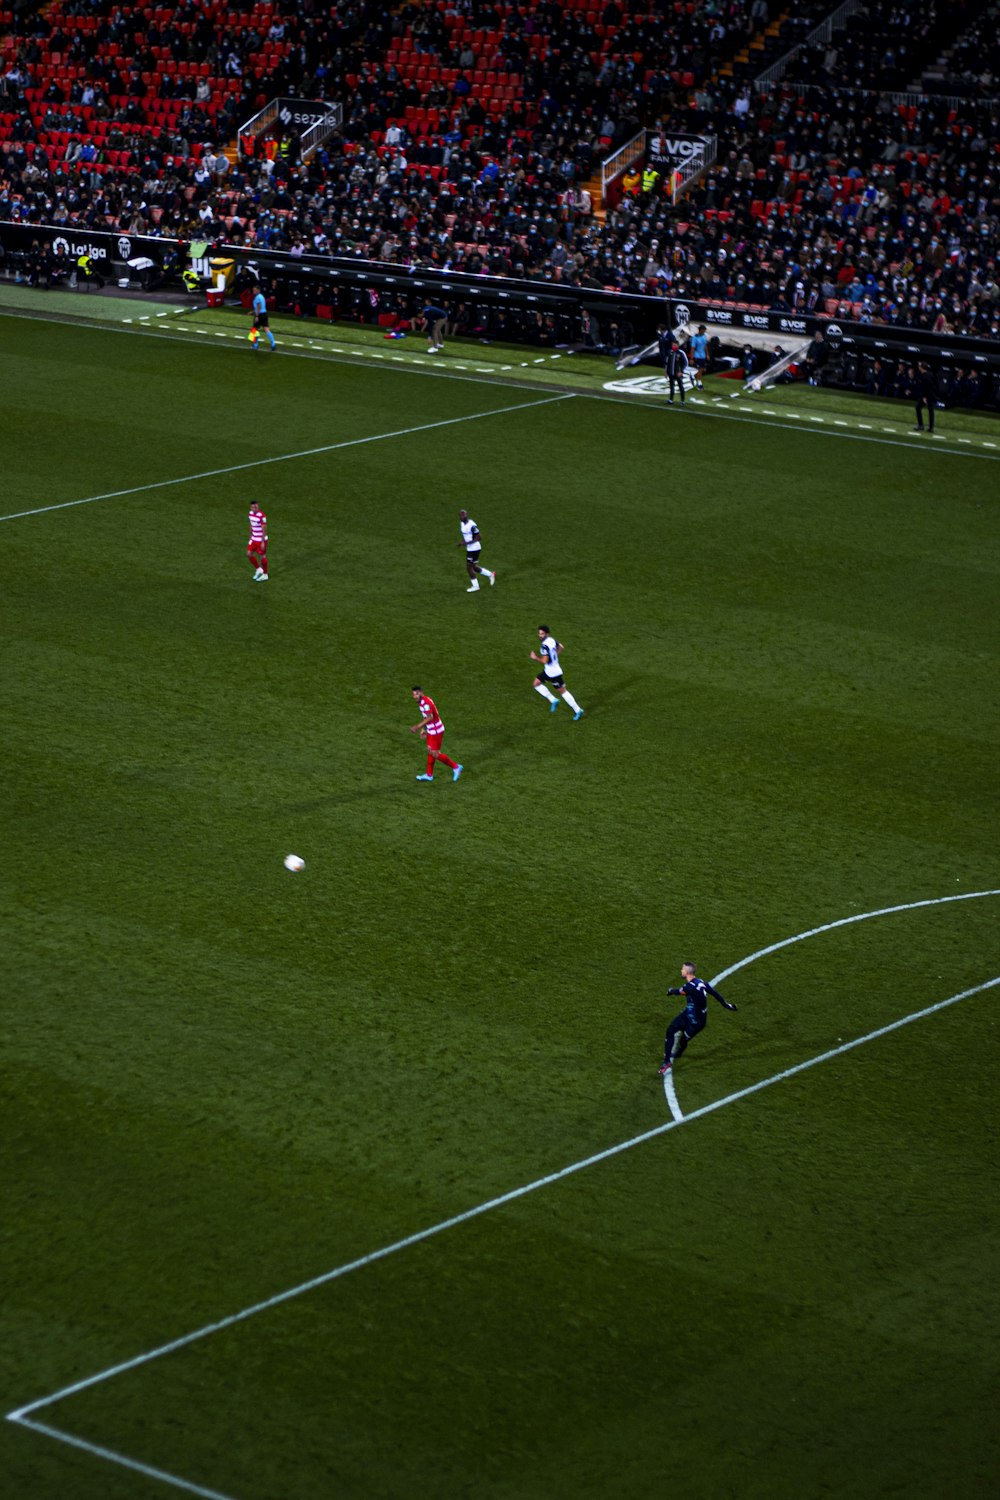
x=78 y=247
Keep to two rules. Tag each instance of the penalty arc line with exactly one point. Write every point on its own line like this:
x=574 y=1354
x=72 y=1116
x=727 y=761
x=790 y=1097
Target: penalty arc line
x=520 y=1192
x=863 y=916
x=282 y=458
x=669 y=1089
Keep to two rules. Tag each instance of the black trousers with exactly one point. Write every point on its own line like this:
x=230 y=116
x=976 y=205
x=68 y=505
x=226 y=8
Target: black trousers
x=680 y=1031
x=923 y=401
x=677 y=380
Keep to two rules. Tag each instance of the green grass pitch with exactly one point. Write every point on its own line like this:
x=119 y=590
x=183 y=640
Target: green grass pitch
x=222 y=1080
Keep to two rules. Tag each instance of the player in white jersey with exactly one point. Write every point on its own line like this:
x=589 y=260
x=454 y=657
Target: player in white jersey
x=551 y=674
x=473 y=544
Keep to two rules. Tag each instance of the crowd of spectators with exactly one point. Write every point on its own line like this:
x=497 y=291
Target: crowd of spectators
x=821 y=199
x=885 y=44
x=971 y=66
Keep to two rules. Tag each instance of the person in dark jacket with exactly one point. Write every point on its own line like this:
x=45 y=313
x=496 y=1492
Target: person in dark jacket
x=674 y=365
x=926 y=396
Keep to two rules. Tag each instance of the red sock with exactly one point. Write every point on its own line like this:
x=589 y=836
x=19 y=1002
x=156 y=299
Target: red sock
x=263 y=562
x=430 y=765
x=446 y=762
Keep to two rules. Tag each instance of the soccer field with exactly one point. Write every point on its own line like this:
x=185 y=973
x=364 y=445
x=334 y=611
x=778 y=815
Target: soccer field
x=225 y=1082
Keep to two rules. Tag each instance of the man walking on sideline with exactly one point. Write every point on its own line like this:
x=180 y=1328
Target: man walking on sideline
x=473 y=544
x=257 y=545
x=431 y=729
x=260 y=320
x=693 y=1017
x=698 y=344
x=551 y=674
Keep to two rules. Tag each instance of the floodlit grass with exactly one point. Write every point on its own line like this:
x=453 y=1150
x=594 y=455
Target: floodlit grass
x=224 y=1079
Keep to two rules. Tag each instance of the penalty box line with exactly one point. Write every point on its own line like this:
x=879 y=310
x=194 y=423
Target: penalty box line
x=22 y=1418
x=282 y=458
x=123 y=1461
x=21 y=1413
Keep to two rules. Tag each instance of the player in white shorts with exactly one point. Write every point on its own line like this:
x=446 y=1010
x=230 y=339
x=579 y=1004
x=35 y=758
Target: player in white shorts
x=473 y=544
x=551 y=674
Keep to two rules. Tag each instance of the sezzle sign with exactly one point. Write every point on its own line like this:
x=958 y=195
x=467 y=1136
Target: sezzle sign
x=303 y=113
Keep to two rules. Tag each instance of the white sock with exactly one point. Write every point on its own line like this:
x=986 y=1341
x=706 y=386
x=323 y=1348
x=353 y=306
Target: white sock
x=545 y=693
x=568 y=698
x=473 y=585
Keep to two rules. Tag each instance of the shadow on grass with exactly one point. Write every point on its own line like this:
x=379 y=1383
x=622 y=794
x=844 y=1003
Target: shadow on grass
x=618 y=689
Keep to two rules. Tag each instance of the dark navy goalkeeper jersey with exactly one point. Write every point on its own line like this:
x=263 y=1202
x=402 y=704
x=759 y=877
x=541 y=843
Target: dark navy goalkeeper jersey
x=696 y=993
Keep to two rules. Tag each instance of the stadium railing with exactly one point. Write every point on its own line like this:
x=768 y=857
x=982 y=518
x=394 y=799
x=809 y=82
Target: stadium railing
x=821 y=33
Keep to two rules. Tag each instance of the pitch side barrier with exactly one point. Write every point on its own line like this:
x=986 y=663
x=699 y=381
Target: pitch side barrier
x=635 y=315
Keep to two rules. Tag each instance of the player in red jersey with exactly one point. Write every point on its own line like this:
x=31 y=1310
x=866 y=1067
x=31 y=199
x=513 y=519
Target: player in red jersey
x=431 y=729
x=257 y=545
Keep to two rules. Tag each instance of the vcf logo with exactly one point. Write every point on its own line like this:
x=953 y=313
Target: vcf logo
x=125 y=248
x=682 y=314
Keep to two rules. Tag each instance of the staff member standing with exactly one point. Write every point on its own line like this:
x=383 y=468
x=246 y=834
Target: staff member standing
x=675 y=365
x=926 y=396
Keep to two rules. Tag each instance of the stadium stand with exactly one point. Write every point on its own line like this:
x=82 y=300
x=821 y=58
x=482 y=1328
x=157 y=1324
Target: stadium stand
x=472 y=131
x=885 y=46
x=969 y=66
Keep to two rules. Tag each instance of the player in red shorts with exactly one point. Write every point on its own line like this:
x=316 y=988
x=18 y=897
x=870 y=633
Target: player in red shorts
x=431 y=729
x=257 y=545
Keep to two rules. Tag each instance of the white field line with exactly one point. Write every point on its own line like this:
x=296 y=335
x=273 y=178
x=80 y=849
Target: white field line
x=864 y=916
x=138 y=1360
x=21 y=1416
x=127 y=1463
x=729 y=415
x=282 y=458
x=670 y=1094
x=359 y=355
x=669 y=1087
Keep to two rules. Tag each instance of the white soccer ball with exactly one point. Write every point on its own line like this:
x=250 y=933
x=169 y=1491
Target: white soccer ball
x=293 y=862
